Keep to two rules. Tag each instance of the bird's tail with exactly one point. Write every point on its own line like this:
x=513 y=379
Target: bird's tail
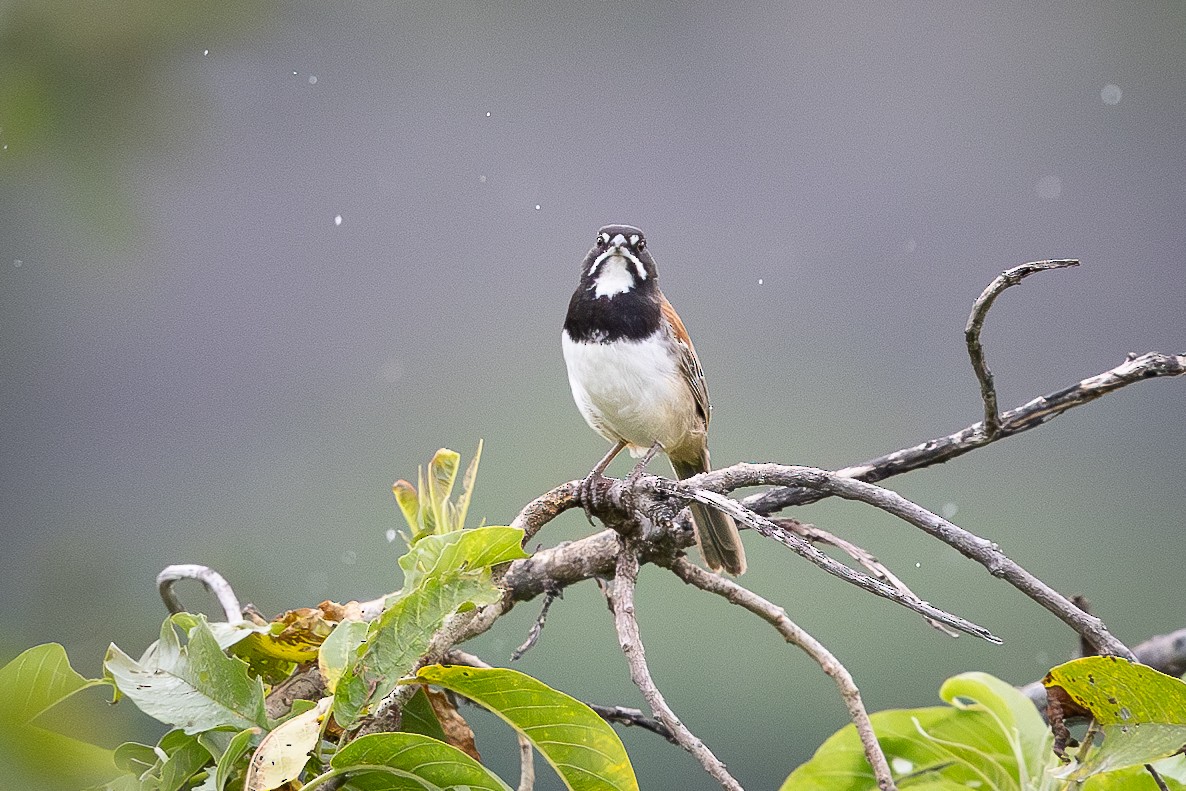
x=716 y=533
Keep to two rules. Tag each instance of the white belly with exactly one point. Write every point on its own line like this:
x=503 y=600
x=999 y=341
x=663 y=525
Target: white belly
x=632 y=391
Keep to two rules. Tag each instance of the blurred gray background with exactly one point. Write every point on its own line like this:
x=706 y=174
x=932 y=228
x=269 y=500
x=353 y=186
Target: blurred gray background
x=202 y=363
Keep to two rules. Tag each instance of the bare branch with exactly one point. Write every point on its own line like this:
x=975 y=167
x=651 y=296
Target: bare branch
x=537 y=628
x=803 y=548
x=777 y=617
x=987 y=553
x=1008 y=278
x=211 y=579
x=1025 y=417
x=633 y=718
x=526 y=764
x=622 y=599
x=863 y=557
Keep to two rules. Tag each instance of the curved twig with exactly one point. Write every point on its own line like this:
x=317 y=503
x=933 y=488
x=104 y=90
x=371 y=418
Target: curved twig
x=861 y=556
x=211 y=579
x=795 y=635
x=1007 y=279
x=629 y=717
x=621 y=595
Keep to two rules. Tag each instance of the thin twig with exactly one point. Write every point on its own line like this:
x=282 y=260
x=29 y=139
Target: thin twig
x=777 y=617
x=629 y=717
x=803 y=548
x=537 y=628
x=985 y=552
x=211 y=579
x=622 y=601
x=1156 y=778
x=1007 y=279
x=1031 y=414
x=860 y=555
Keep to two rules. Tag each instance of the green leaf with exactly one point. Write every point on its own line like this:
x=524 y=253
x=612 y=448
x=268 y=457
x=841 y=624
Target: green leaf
x=31 y=684
x=283 y=753
x=1014 y=715
x=419 y=717
x=987 y=739
x=414 y=762
x=135 y=758
x=1134 y=778
x=581 y=746
x=442 y=472
x=409 y=504
x=481 y=547
x=36 y=680
x=340 y=650
x=236 y=751
x=195 y=687
x=186 y=758
x=467 y=487
x=428 y=521
x=1141 y=712
x=401 y=636
x=442 y=573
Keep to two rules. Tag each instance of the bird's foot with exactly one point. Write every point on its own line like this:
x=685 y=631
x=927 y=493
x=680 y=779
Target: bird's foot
x=591 y=491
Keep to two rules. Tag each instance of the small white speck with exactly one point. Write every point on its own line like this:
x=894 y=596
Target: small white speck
x=349 y=557
x=487 y=115
x=1049 y=187
x=6 y=146
x=949 y=510
x=338 y=220
x=1111 y=94
x=911 y=245
x=760 y=281
x=390 y=535
x=901 y=765
x=482 y=179
x=537 y=207
x=312 y=79
x=918 y=565
x=205 y=52
x=294 y=74
x=18 y=263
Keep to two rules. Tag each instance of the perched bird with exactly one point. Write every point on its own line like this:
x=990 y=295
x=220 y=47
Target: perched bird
x=635 y=376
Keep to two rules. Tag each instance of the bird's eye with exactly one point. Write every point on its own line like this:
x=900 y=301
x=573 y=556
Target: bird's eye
x=600 y=241
x=642 y=245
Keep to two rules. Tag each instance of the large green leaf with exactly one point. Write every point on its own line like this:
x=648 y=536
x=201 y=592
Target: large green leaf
x=411 y=762
x=195 y=687
x=442 y=574
x=37 y=679
x=1141 y=712
x=31 y=756
x=419 y=717
x=986 y=739
x=482 y=547
x=581 y=746
x=340 y=650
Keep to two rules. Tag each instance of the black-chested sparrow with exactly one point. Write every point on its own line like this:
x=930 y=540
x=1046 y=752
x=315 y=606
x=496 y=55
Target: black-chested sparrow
x=636 y=378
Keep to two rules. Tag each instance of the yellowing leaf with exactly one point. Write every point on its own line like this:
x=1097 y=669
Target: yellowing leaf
x=283 y=753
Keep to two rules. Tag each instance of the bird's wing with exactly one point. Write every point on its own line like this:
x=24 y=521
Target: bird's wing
x=689 y=363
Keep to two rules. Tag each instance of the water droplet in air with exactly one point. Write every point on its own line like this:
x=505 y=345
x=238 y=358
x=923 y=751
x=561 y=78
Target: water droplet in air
x=1049 y=187
x=312 y=79
x=949 y=510
x=482 y=179
x=1111 y=94
x=18 y=263
x=205 y=52
x=338 y=220
x=918 y=565
x=759 y=281
x=487 y=115
x=537 y=207
x=390 y=534
x=349 y=557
